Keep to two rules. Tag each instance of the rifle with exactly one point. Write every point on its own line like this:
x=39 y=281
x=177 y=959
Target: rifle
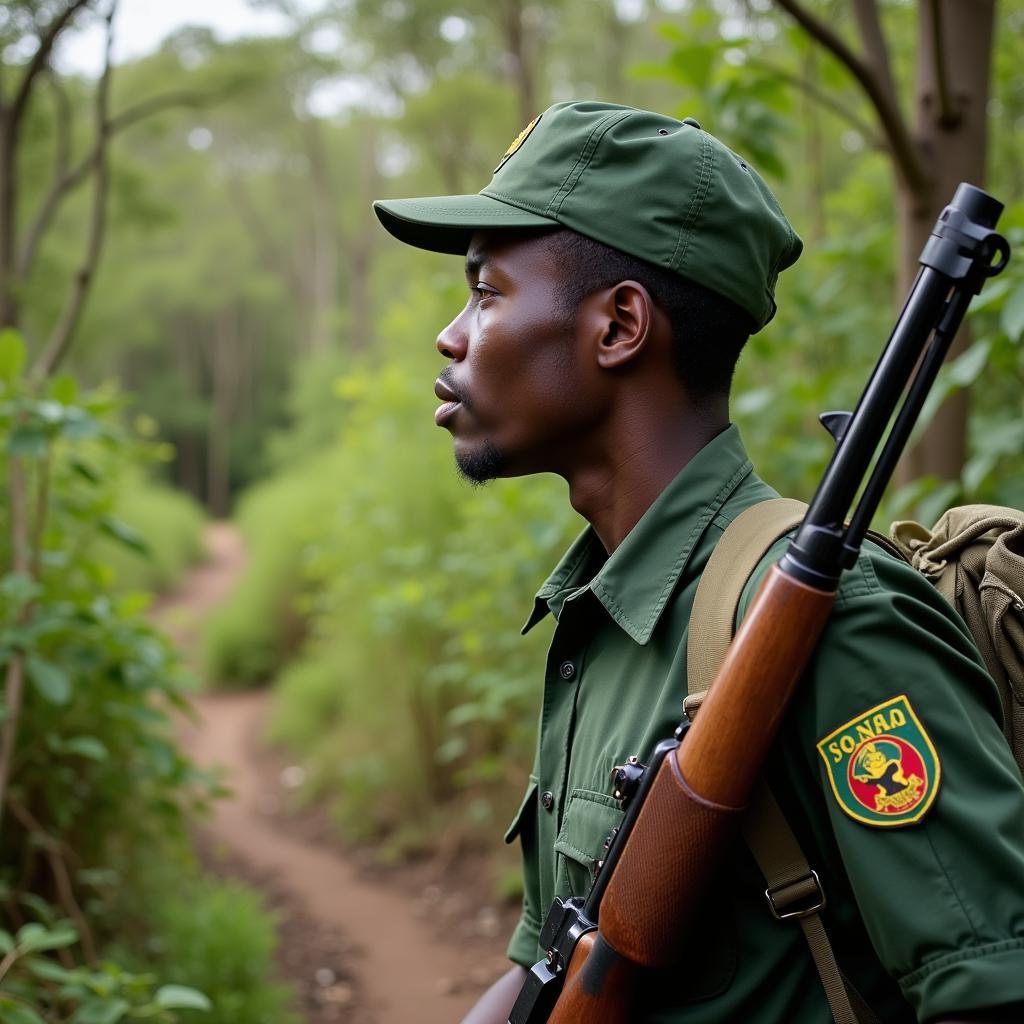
x=684 y=807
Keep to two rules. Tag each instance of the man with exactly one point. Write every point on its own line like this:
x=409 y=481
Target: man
x=616 y=264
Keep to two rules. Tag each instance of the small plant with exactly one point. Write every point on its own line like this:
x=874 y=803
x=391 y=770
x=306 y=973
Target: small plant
x=37 y=989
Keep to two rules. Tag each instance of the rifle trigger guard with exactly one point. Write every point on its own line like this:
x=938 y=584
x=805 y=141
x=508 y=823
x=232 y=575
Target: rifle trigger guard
x=563 y=928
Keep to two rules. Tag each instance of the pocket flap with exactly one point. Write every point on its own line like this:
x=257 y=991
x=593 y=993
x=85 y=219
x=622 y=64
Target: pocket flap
x=588 y=821
x=528 y=806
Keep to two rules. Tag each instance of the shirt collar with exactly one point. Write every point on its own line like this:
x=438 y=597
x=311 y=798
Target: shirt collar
x=634 y=583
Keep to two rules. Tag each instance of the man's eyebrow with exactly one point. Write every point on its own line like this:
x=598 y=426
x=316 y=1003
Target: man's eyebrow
x=475 y=262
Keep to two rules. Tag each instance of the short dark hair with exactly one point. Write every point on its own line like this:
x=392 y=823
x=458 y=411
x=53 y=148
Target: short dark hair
x=708 y=330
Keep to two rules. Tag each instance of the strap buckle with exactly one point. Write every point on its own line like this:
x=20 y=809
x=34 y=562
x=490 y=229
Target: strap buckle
x=800 y=898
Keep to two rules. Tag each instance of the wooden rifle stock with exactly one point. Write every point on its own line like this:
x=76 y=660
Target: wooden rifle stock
x=691 y=812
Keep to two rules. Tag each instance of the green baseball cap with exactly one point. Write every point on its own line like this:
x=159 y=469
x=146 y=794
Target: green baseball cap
x=646 y=184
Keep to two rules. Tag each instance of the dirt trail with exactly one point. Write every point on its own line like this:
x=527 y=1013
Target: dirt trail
x=402 y=973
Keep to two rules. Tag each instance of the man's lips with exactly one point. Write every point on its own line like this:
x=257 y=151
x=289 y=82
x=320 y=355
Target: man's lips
x=450 y=402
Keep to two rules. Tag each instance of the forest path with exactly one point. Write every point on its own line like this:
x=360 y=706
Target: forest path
x=400 y=970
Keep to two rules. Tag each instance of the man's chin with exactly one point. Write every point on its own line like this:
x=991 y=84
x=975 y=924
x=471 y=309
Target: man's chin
x=480 y=463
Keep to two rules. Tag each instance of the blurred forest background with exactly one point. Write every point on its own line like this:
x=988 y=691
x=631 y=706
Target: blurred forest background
x=201 y=319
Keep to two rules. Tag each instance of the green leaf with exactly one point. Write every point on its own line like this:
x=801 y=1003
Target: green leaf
x=12 y=354
x=749 y=403
x=976 y=470
x=18 y=1013
x=35 y=938
x=1012 y=318
x=964 y=370
x=179 y=997
x=86 y=746
x=125 y=534
x=84 y=470
x=101 y=1011
x=49 y=411
x=50 y=971
x=50 y=680
x=6 y=942
x=28 y=441
x=64 y=389
x=19 y=589
x=991 y=294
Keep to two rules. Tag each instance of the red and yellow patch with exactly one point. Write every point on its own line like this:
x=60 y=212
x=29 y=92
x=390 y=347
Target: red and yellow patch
x=882 y=766
x=517 y=142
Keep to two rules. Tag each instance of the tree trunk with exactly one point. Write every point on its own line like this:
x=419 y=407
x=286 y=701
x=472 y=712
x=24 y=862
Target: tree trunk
x=520 y=42
x=954 y=49
x=324 y=241
x=815 y=152
x=8 y=170
x=223 y=377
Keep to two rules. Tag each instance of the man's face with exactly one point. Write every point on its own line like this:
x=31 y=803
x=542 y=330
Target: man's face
x=514 y=395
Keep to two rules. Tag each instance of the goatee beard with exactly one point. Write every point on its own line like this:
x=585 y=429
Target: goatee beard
x=484 y=463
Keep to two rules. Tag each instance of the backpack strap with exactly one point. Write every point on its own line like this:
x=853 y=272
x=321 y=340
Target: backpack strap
x=735 y=557
x=793 y=889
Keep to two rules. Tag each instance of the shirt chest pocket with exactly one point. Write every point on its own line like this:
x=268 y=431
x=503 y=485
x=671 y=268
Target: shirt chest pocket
x=710 y=959
x=588 y=821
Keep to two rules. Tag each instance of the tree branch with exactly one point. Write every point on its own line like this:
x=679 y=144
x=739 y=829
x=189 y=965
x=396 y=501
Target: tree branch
x=876 y=51
x=60 y=339
x=65 y=889
x=824 y=98
x=14 y=686
x=71 y=178
x=949 y=115
x=62 y=110
x=901 y=144
x=39 y=61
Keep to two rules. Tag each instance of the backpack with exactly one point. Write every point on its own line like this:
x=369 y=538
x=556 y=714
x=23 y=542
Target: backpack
x=974 y=556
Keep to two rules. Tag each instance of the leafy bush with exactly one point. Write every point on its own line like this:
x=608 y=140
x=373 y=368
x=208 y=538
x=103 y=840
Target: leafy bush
x=249 y=638
x=38 y=989
x=171 y=523
x=94 y=790
x=216 y=937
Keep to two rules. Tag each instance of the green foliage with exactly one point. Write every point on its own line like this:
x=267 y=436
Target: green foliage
x=993 y=369
x=750 y=103
x=252 y=635
x=171 y=523
x=100 y=678
x=35 y=988
x=99 y=790
x=214 y=937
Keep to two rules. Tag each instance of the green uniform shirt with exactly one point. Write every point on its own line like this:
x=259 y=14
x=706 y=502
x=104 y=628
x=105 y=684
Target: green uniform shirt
x=926 y=919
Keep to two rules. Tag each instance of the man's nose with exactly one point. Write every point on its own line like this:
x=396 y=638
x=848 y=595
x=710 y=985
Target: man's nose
x=451 y=342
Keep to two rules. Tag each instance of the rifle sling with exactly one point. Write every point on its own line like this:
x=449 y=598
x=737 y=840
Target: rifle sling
x=793 y=889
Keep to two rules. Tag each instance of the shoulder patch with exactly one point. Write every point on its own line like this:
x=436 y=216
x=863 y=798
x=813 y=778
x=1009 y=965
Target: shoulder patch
x=517 y=142
x=882 y=766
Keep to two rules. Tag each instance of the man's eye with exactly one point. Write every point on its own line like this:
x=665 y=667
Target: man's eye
x=482 y=292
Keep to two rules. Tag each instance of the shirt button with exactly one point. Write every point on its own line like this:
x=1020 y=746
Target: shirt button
x=567 y=670
x=547 y=800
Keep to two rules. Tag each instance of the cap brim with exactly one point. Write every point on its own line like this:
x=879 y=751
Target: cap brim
x=447 y=223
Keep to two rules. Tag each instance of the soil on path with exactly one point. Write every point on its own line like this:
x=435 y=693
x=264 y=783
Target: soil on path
x=359 y=949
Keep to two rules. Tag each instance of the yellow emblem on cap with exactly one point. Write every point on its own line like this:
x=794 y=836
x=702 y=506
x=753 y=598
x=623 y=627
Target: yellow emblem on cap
x=517 y=142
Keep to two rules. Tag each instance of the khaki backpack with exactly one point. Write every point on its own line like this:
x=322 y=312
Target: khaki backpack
x=974 y=555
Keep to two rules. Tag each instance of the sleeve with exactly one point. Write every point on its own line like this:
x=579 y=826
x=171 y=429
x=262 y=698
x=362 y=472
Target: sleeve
x=523 y=946
x=903 y=727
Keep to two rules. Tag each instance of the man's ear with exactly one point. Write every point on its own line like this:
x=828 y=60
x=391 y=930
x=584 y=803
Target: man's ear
x=619 y=321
